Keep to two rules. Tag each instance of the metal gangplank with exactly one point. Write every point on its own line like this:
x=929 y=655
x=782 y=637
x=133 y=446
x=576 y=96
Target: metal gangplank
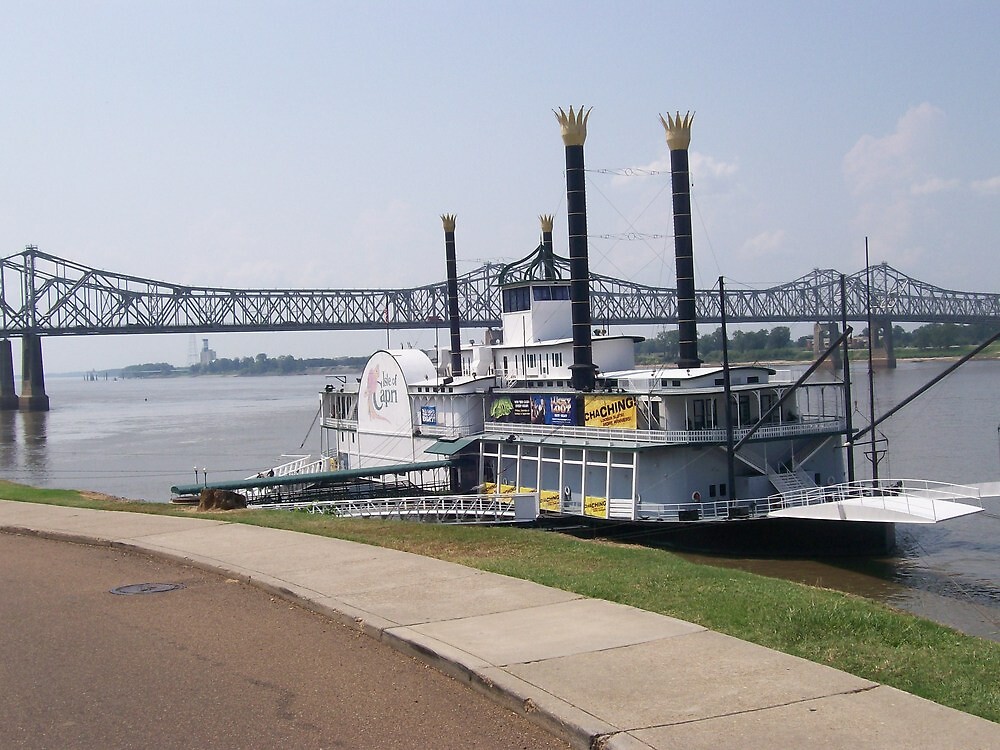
x=869 y=500
x=450 y=509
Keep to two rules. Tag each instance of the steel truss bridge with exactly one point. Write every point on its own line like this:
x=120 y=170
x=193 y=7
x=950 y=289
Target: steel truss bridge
x=44 y=295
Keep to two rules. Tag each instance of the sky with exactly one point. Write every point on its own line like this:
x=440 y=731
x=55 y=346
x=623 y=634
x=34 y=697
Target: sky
x=316 y=144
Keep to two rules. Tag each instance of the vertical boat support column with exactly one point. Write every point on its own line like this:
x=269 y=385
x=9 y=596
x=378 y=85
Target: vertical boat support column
x=548 y=264
x=8 y=396
x=33 y=396
x=678 y=139
x=574 y=132
x=454 y=326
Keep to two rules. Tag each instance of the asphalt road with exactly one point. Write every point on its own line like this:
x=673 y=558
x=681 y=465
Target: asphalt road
x=215 y=664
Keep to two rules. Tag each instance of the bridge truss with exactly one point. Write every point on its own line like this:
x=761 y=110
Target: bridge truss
x=45 y=295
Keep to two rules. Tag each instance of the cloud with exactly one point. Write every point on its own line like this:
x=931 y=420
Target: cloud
x=704 y=166
x=895 y=159
x=894 y=185
x=990 y=186
x=934 y=185
x=764 y=244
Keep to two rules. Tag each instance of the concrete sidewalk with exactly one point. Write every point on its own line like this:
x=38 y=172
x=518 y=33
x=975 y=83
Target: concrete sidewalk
x=599 y=674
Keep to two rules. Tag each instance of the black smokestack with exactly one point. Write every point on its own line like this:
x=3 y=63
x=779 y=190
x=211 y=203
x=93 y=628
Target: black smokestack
x=548 y=256
x=678 y=139
x=574 y=133
x=456 y=333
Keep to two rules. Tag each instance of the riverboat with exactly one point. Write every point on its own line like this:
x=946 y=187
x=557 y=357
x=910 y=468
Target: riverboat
x=547 y=406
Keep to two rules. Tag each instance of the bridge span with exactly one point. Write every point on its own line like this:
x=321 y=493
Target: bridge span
x=45 y=295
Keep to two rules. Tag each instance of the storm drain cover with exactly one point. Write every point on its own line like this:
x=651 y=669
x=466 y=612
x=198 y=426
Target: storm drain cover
x=146 y=588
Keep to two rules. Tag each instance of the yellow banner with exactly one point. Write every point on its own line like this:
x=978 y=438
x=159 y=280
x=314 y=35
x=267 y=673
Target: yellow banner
x=549 y=500
x=596 y=507
x=610 y=411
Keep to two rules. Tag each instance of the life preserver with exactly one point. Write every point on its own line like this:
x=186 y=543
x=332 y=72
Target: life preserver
x=696 y=496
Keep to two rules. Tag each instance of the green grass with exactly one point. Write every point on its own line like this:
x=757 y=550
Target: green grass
x=850 y=633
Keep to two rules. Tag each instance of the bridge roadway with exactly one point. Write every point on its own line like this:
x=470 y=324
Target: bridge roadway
x=50 y=296
x=45 y=295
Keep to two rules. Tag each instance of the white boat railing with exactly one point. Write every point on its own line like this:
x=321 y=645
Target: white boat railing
x=807 y=426
x=908 y=496
x=434 y=508
x=428 y=430
x=298 y=465
x=446 y=431
x=905 y=495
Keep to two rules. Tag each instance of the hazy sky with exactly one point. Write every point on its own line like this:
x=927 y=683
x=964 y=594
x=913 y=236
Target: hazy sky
x=315 y=144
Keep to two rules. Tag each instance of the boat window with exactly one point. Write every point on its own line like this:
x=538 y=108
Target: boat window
x=743 y=405
x=596 y=481
x=620 y=458
x=597 y=457
x=549 y=479
x=753 y=379
x=703 y=415
x=489 y=469
x=621 y=482
x=550 y=453
x=560 y=292
x=542 y=292
x=766 y=402
x=516 y=300
x=529 y=473
x=529 y=451
x=573 y=454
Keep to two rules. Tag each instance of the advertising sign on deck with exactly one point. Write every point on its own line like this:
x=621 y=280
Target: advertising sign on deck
x=535 y=409
x=610 y=411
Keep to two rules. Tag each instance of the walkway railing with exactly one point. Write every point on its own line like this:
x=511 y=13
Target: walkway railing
x=455 y=509
x=910 y=496
x=807 y=426
x=905 y=495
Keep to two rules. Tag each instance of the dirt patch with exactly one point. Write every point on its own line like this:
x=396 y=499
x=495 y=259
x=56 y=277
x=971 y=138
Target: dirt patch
x=108 y=498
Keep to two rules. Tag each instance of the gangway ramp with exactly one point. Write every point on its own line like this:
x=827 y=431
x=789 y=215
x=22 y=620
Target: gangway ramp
x=396 y=479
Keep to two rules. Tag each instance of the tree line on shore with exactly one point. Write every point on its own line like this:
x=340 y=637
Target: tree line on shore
x=777 y=343
x=774 y=344
x=259 y=365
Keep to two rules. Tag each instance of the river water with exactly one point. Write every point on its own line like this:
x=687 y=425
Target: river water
x=136 y=438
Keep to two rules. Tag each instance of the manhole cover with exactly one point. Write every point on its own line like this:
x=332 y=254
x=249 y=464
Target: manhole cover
x=146 y=588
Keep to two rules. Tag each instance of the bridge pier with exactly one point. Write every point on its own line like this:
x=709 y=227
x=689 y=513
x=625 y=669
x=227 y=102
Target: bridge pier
x=825 y=334
x=8 y=396
x=883 y=352
x=33 y=396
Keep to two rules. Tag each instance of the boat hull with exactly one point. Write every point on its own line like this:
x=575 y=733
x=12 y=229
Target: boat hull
x=759 y=537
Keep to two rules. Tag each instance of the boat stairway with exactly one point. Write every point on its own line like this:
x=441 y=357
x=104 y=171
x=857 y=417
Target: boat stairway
x=791 y=481
x=754 y=459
